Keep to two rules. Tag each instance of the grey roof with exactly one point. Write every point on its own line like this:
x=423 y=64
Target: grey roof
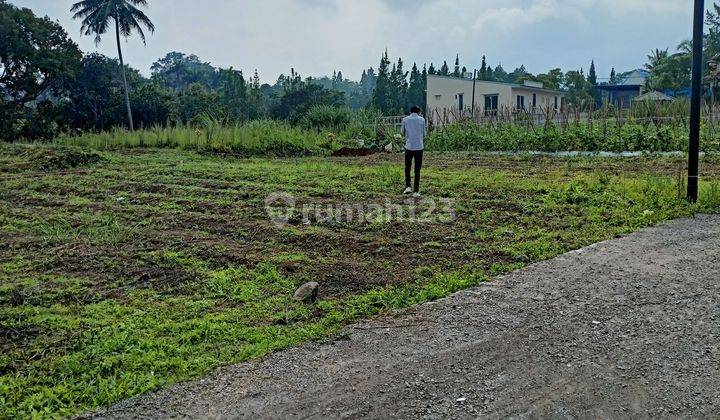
x=514 y=85
x=635 y=78
x=653 y=96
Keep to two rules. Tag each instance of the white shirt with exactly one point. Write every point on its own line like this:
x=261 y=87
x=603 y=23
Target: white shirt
x=413 y=127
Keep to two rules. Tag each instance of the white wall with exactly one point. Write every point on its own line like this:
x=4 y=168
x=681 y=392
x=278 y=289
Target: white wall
x=443 y=92
x=545 y=99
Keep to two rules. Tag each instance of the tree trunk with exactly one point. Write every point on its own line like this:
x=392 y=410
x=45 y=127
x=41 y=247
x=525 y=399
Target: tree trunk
x=124 y=77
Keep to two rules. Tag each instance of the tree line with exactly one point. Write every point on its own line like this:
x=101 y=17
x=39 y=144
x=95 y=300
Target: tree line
x=48 y=86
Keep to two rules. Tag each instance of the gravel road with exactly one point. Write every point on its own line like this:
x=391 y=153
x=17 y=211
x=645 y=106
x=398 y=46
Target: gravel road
x=625 y=328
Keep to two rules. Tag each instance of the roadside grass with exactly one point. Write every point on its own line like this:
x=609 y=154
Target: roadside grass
x=147 y=267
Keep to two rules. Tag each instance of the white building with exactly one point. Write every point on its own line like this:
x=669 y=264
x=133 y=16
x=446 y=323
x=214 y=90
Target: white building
x=451 y=97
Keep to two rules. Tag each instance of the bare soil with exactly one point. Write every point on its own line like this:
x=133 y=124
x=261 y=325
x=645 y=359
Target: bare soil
x=628 y=328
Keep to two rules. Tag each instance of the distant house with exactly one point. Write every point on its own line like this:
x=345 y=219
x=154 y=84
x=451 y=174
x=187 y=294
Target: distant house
x=623 y=93
x=452 y=96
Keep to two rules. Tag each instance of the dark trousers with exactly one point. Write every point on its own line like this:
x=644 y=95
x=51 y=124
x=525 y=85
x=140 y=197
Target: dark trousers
x=417 y=155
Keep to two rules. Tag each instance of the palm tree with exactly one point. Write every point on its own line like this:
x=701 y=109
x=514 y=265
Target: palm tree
x=97 y=17
x=655 y=58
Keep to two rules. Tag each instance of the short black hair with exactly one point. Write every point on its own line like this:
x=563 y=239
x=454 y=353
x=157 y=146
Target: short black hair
x=415 y=110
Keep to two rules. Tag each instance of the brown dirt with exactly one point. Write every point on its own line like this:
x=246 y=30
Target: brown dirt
x=350 y=152
x=623 y=329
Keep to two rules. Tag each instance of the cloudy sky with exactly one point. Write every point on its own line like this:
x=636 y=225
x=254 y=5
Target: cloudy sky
x=319 y=36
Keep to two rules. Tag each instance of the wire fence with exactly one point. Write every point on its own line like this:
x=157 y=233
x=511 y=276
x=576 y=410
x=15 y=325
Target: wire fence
x=676 y=113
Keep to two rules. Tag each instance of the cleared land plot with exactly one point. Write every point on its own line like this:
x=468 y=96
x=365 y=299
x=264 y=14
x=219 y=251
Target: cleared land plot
x=126 y=273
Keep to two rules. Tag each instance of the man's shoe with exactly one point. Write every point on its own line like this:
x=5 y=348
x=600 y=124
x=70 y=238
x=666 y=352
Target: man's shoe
x=408 y=190
x=416 y=195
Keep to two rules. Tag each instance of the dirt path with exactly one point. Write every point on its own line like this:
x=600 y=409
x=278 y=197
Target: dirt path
x=626 y=328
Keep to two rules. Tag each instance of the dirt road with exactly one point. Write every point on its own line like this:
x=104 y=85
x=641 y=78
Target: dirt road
x=626 y=328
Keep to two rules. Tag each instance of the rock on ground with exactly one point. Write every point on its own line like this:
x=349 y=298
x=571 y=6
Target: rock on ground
x=626 y=328
x=308 y=292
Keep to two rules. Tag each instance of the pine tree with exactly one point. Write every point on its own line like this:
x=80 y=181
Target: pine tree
x=592 y=75
x=415 y=89
x=445 y=70
x=456 y=72
x=399 y=87
x=431 y=69
x=382 y=86
x=257 y=106
x=613 y=77
x=483 y=70
x=256 y=80
x=423 y=78
x=500 y=74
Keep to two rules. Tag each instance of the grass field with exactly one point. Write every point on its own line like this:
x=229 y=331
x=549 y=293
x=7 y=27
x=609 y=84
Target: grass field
x=126 y=271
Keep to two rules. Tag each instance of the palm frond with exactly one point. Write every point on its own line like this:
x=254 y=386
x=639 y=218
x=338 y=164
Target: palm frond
x=97 y=15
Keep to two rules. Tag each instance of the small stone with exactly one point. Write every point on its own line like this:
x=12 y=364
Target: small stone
x=462 y=399
x=389 y=147
x=308 y=292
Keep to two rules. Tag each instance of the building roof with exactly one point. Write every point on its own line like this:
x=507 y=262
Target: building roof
x=633 y=81
x=514 y=85
x=653 y=96
x=635 y=78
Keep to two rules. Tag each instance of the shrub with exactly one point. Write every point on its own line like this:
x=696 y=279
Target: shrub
x=51 y=158
x=327 y=118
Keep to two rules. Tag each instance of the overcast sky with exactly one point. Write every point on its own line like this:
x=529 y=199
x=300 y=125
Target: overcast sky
x=319 y=36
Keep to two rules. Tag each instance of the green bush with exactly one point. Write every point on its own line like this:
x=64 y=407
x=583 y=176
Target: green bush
x=327 y=118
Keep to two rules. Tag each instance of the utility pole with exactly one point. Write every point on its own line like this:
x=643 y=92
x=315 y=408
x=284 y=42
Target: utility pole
x=473 y=95
x=695 y=104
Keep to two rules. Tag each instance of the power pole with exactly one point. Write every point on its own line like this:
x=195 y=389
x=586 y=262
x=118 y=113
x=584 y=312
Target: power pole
x=695 y=104
x=473 y=95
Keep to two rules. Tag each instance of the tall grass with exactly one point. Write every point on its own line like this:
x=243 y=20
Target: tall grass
x=578 y=136
x=263 y=137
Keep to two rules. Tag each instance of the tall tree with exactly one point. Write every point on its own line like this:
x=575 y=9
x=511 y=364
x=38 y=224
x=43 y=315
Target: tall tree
x=431 y=69
x=672 y=73
x=500 y=74
x=552 y=79
x=399 y=87
x=445 y=69
x=592 y=75
x=97 y=16
x=518 y=75
x=579 y=90
x=96 y=99
x=37 y=59
x=383 y=86
x=483 y=70
x=456 y=72
x=178 y=71
x=613 y=77
x=233 y=93
x=416 y=89
x=655 y=58
x=423 y=78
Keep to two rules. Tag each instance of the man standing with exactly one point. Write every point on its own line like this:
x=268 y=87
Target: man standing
x=413 y=127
